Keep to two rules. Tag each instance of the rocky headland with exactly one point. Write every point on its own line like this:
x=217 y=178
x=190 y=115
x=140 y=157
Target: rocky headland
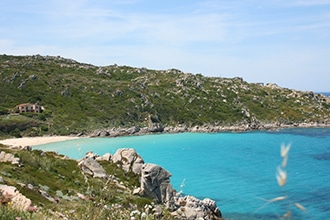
x=154 y=184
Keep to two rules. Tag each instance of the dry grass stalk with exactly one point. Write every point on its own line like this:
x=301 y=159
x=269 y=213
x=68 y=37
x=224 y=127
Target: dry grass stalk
x=281 y=176
x=287 y=215
x=299 y=206
x=277 y=199
x=285 y=150
x=284 y=162
x=280 y=198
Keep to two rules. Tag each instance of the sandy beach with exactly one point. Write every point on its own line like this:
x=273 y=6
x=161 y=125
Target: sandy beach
x=33 y=141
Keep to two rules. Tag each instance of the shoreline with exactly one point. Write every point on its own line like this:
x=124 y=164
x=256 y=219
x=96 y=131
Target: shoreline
x=158 y=129
x=33 y=141
x=135 y=131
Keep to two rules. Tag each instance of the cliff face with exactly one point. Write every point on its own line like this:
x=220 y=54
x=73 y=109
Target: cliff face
x=81 y=97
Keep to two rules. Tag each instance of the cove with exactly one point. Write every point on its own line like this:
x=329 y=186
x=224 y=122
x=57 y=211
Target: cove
x=237 y=170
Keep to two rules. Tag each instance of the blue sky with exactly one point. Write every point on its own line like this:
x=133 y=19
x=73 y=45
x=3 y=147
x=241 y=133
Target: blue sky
x=286 y=42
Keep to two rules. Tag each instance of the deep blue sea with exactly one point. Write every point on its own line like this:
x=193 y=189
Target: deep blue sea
x=235 y=169
x=325 y=93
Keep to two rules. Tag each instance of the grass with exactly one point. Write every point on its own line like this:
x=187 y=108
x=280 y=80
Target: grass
x=7 y=212
x=62 y=180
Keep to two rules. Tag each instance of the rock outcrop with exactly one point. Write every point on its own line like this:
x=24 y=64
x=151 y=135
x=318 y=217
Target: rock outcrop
x=105 y=157
x=128 y=159
x=115 y=132
x=155 y=184
x=154 y=124
x=192 y=208
x=18 y=200
x=7 y=157
x=155 y=127
x=91 y=167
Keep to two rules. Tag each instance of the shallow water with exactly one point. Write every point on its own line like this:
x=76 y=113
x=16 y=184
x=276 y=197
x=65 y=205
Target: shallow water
x=235 y=169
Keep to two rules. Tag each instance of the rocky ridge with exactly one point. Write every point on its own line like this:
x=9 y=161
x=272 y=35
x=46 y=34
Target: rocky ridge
x=155 y=184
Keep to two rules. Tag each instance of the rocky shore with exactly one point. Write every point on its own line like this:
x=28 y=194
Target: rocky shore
x=154 y=180
x=158 y=128
x=154 y=183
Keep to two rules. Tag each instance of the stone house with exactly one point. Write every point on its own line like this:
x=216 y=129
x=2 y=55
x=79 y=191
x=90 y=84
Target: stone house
x=28 y=107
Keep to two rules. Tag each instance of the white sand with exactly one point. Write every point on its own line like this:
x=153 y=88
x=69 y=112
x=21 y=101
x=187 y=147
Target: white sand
x=32 y=141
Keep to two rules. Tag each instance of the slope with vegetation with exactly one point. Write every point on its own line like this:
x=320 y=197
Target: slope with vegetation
x=118 y=186
x=58 y=189
x=80 y=97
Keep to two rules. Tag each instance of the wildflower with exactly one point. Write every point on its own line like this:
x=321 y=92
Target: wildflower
x=32 y=208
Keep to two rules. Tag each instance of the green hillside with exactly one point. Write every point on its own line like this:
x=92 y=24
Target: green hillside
x=53 y=183
x=80 y=97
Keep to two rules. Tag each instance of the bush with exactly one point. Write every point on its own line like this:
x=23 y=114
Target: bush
x=16 y=133
x=4 y=111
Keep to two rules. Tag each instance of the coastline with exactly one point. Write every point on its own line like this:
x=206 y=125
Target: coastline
x=158 y=129
x=118 y=132
x=32 y=141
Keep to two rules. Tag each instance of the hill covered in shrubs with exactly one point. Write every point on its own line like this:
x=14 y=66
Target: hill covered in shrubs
x=82 y=98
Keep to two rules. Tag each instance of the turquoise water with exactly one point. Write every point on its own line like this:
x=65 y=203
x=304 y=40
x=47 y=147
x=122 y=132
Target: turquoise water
x=235 y=169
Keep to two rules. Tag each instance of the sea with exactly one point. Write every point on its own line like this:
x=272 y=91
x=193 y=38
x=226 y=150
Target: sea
x=237 y=170
x=324 y=93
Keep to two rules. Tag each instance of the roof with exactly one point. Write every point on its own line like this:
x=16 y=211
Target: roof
x=25 y=104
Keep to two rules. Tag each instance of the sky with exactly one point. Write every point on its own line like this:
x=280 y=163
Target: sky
x=286 y=42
